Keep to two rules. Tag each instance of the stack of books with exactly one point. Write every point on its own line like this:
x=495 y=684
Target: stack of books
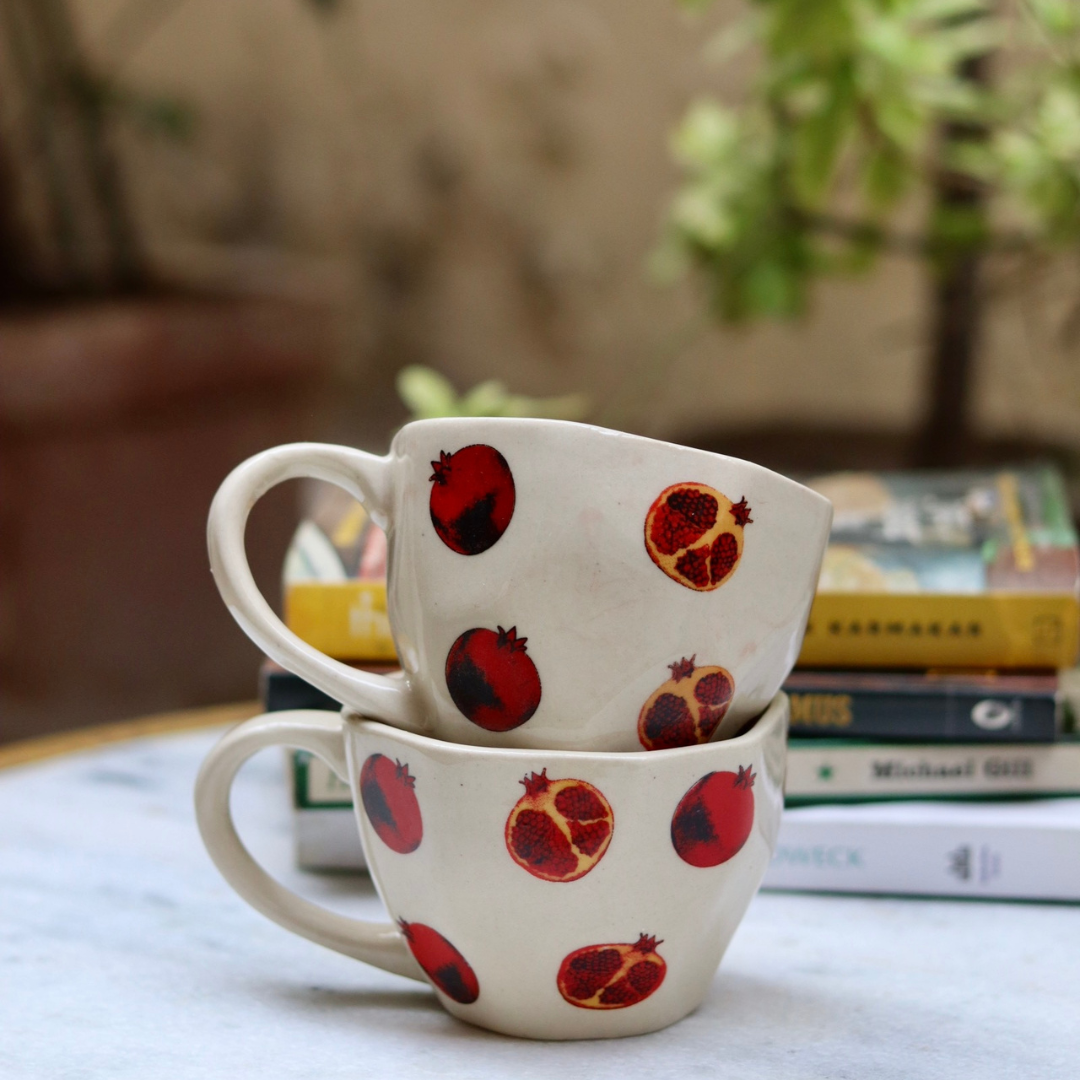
x=933 y=744
x=334 y=591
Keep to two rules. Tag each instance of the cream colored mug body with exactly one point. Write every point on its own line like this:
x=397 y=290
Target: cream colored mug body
x=542 y=893
x=555 y=585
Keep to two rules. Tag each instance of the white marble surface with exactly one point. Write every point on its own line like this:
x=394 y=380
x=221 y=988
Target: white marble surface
x=124 y=954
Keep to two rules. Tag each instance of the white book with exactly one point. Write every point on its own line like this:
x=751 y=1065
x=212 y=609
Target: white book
x=327 y=840
x=325 y=832
x=1027 y=850
x=826 y=770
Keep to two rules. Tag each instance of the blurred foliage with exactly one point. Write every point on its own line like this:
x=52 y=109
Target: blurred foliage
x=857 y=105
x=429 y=394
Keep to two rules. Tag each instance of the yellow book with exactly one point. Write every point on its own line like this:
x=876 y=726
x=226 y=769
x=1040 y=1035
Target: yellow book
x=947 y=569
x=335 y=582
x=876 y=630
x=344 y=619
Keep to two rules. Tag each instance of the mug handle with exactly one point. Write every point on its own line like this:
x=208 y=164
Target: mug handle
x=364 y=476
x=322 y=733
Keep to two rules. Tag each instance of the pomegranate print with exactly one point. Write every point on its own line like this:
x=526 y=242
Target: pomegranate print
x=714 y=818
x=386 y=790
x=492 y=679
x=612 y=976
x=472 y=501
x=559 y=829
x=442 y=963
x=695 y=535
x=688 y=708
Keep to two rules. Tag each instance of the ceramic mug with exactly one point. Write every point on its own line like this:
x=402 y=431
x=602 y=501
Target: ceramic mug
x=543 y=893
x=555 y=585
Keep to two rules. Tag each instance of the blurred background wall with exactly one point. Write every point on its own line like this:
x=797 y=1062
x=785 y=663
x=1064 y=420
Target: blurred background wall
x=482 y=184
x=328 y=190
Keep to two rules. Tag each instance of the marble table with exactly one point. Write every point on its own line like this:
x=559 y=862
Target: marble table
x=124 y=954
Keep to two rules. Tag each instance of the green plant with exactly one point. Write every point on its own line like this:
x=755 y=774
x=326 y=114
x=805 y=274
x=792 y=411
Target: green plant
x=858 y=108
x=427 y=394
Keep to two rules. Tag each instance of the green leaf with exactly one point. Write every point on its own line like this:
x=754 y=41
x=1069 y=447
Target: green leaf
x=946 y=10
x=816 y=28
x=566 y=407
x=975 y=159
x=427 y=393
x=975 y=38
x=885 y=176
x=1059 y=122
x=485 y=399
x=1058 y=18
x=819 y=140
x=702 y=216
x=771 y=289
x=708 y=136
x=902 y=121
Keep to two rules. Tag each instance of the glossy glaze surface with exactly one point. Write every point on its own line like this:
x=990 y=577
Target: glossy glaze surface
x=563 y=566
x=515 y=928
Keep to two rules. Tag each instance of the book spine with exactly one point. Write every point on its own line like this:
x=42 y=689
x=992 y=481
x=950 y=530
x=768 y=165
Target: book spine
x=894 y=630
x=1011 y=862
x=827 y=770
x=949 y=715
x=283 y=690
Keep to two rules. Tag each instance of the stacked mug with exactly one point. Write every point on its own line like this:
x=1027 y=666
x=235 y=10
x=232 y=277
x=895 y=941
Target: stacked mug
x=571 y=792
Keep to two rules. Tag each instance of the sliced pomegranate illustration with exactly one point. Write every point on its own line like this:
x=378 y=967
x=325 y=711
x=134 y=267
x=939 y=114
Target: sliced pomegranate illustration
x=559 y=829
x=714 y=818
x=491 y=678
x=695 y=534
x=472 y=500
x=688 y=708
x=386 y=790
x=442 y=963
x=612 y=976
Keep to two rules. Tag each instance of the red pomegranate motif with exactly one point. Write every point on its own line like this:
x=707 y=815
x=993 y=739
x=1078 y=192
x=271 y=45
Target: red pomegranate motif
x=472 y=501
x=386 y=790
x=559 y=829
x=688 y=708
x=695 y=534
x=491 y=678
x=612 y=976
x=714 y=818
x=442 y=963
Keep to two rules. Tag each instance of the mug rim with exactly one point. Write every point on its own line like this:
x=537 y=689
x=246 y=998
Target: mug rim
x=613 y=433
x=763 y=727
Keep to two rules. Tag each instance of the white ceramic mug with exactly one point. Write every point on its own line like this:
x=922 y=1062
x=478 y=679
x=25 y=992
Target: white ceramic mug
x=546 y=894
x=555 y=585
